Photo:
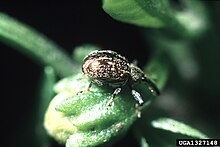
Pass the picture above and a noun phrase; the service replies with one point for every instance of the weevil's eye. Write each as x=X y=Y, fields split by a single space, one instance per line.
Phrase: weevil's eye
x=125 y=75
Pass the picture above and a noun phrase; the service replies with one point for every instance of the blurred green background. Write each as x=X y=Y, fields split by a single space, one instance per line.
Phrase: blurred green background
x=195 y=101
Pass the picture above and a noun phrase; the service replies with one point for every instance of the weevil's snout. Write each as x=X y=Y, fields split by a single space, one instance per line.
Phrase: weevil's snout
x=151 y=86
x=154 y=90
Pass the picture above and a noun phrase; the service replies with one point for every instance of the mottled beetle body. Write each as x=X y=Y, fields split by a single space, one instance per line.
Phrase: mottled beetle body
x=107 y=67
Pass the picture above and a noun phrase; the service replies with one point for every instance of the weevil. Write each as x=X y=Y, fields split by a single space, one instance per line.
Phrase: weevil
x=107 y=67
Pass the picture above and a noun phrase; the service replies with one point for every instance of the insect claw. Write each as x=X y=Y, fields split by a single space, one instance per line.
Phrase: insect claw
x=116 y=92
x=138 y=110
x=79 y=92
x=110 y=102
x=87 y=90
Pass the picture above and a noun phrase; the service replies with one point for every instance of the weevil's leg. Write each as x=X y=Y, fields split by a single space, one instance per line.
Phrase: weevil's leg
x=137 y=97
x=87 y=90
x=98 y=82
x=116 y=92
x=138 y=110
x=151 y=86
x=140 y=102
x=89 y=87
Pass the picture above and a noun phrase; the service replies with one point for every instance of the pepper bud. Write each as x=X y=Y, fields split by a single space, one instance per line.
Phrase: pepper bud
x=85 y=119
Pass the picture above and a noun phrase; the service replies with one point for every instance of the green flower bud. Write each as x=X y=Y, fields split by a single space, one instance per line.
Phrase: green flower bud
x=85 y=119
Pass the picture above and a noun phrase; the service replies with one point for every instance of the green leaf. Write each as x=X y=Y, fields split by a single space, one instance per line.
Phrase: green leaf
x=177 y=127
x=130 y=11
x=190 y=20
x=180 y=52
x=163 y=132
x=157 y=70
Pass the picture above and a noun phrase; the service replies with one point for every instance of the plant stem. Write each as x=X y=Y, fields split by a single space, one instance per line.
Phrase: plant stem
x=35 y=45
